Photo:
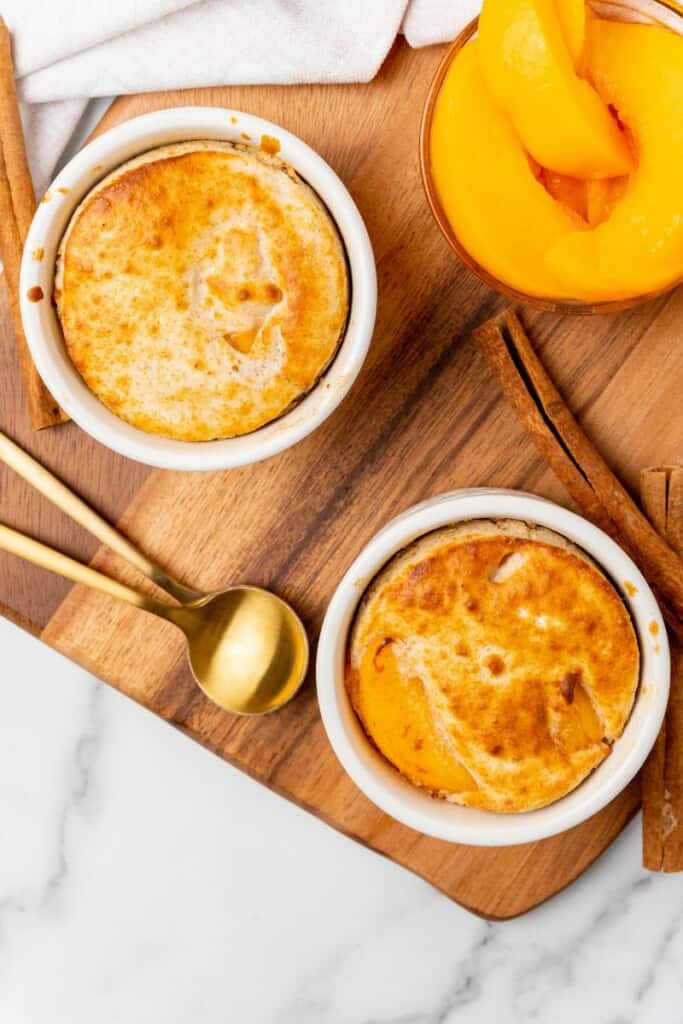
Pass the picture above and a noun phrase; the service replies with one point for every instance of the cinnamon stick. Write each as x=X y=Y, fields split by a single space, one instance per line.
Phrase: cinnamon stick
x=17 y=205
x=581 y=468
x=662 y=776
x=12 y=135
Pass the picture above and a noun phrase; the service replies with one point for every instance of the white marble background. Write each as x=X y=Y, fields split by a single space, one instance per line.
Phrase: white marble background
x=144 y=880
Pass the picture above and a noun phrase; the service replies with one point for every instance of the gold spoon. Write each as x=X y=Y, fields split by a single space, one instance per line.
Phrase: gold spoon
x=247 y=648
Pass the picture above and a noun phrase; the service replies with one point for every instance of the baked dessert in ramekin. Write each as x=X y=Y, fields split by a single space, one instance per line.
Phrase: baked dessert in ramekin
x=575 y=601
x=493 y=664
x=292 y=315
x=202 y=290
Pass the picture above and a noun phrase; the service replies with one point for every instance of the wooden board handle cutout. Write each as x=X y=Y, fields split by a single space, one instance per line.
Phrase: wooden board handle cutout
x=662 y=776
x=17 y=205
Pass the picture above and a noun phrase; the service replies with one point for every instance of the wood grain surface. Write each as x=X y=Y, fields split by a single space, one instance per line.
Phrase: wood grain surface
x=425 y=416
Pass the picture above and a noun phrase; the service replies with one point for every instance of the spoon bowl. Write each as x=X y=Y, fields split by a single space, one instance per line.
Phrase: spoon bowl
x=247 y=648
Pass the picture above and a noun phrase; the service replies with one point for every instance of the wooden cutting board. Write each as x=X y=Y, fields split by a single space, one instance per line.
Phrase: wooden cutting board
x=424 y=417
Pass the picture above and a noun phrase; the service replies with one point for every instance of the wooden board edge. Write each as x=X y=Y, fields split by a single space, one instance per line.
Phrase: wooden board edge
x=113 y=112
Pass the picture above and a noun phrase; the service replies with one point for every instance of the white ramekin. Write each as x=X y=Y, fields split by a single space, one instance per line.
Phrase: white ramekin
x=408 y=804
x=42 y=328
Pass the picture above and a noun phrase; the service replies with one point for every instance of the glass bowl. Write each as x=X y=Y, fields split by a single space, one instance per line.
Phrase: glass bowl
x=667 y=13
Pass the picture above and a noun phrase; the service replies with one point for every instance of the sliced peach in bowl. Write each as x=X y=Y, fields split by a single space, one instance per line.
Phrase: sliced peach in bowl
x=527 y=178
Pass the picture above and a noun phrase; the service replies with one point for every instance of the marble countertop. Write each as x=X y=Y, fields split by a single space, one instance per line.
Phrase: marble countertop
x=144 y=880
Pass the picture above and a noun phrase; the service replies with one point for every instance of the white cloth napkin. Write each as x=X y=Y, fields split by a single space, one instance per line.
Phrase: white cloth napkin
x=67 y=51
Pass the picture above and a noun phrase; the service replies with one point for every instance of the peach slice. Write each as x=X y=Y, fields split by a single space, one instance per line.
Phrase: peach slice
x=501 y=213
x=575 y=720
x=639 y=247
x=570 y=191
x=403 y=726
x=572 y=15
x=529 y=70
x=602 y=195
x=593 y=200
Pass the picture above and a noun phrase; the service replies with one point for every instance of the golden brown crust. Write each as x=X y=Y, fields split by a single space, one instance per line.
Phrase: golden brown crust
x=202 y=290
x=493 y=664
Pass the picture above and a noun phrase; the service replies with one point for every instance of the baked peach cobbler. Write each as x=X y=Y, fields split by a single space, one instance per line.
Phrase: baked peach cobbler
x=493 y=664
x=202 y=290
x=556 y=151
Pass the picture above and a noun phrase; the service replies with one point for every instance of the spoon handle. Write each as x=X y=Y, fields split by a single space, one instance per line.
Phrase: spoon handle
x=34 y=551
x=59 y=494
